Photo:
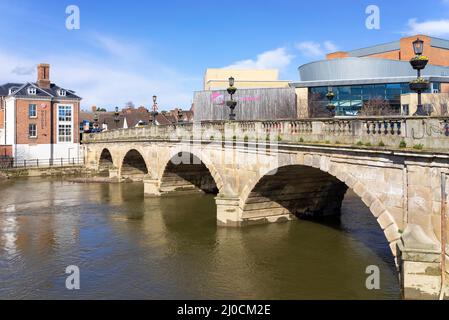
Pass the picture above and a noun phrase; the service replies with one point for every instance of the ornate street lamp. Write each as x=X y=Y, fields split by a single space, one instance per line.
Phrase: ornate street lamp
x=331 y=107
x=231 y=103
x=154 y=112
x=418 y=47
x=180 y=116
x=116 y=117
x=419 y=85
x=96 y=125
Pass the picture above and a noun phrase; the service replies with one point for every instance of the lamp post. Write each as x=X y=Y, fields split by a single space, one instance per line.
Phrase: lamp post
x=180 y=116
x=331 y=107
x=116 y=117
x=419 y=85
x=154 y=112
x=231 y=103
x=96 y=118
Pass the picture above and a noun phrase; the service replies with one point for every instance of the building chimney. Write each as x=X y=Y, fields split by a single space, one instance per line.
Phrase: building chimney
x=43 y=76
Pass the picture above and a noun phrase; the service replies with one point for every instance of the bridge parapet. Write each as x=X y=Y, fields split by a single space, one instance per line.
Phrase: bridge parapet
x=386 y=132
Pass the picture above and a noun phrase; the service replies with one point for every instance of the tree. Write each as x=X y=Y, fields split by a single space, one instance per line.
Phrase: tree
x=130 y=105
x=376 y=107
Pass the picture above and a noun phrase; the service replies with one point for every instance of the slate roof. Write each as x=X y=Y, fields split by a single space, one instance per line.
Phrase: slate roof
x=22 y=91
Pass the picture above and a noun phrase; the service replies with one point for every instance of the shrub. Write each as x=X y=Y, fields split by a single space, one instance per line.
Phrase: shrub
x=402 y=144
x=301 y=140
x=279 y=138
x=381 y=144
x=327 y=142
x=368 y=144
x=360 y=143
x=418 y=146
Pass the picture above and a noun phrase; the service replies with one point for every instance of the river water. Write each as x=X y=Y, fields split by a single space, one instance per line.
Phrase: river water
x=130 y=247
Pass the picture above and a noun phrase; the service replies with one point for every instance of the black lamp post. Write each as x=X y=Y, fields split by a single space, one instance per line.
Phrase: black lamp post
x=331 y=107
x=419 y=85
x=180 y=116
x=96 y=118
x=231 y=103
x=154 y=112
x=116 y=117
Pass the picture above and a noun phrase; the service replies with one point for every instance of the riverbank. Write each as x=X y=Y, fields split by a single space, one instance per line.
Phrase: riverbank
x=56 y=171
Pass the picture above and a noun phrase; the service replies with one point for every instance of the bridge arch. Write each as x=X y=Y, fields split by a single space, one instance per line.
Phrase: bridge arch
x=306 y=190
x=187 y=171
x=134 y=166
x=105 y=161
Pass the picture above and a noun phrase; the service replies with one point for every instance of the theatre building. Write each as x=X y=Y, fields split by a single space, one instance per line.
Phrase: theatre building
x=39 y=120
x=377 y=72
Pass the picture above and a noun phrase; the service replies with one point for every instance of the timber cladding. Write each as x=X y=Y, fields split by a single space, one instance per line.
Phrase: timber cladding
x=252 y=104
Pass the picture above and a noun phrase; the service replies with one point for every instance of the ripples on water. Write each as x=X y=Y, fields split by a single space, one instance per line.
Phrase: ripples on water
x=128 y=247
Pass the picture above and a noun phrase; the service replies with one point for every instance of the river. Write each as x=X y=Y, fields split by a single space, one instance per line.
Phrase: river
x=130 y=247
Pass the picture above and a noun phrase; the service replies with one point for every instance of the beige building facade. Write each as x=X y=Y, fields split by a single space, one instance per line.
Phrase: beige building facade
x=218 y=79
x=435 y=104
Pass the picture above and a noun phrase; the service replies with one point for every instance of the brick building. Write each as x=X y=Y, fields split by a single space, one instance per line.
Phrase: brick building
x=130 y=117
x=39 y=120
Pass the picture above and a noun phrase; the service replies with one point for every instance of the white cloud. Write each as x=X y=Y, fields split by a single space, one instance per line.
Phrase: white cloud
x=23 y=71
x=330 y=46
x=106 y=81
x=312 y=49
x=274 y=59
x=435 y=28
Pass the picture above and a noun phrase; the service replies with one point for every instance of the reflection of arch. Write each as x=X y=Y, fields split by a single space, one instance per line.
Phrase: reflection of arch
x=304 y=190
x=134 y=166
x=105 y=162
x=185 y=171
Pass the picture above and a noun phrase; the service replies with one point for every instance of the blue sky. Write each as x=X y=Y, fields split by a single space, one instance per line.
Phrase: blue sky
x=130 y=50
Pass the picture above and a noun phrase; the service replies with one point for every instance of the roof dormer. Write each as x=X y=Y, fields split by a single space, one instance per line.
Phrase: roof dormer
x=62 y=93
x=32 y=90
x=13 y=90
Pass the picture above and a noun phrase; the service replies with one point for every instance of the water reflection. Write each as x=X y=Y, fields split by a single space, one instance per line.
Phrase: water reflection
x=166 y=248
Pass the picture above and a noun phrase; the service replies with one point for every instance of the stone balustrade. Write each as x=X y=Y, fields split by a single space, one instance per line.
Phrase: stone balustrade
x=430 y=133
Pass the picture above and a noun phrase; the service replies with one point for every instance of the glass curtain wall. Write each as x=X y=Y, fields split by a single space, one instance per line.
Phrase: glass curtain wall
x=350 y=99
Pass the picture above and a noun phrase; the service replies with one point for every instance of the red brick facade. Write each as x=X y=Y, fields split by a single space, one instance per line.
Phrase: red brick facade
x=45 y=98
x=437 y=56
x=45 y=122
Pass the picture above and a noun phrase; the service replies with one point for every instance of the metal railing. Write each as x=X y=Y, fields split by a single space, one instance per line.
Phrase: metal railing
x=11 y=163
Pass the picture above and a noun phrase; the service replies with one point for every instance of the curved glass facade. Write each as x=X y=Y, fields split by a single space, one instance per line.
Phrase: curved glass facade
x=350 y=99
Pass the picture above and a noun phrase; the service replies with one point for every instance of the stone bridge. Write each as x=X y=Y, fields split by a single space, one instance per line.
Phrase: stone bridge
x=275 y=171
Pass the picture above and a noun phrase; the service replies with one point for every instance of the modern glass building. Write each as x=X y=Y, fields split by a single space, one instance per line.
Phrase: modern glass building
x=348 y=100
x=381 y=72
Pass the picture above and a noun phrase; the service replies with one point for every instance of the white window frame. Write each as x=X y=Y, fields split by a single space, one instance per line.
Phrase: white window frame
x=35 y=109
x=71 y=123
x=62 y=93
x=30 y=136
x=32 y=90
